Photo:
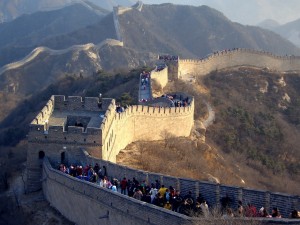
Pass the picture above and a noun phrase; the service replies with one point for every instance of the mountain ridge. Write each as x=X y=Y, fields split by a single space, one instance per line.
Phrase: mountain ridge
x=12 y=9
x=208 y=29
x=27 y=32
x=40 y=50
x=290 y=30
x=146 y=31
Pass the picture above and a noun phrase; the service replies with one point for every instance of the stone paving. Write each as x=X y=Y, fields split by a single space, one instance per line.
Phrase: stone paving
x=59 y=118
x=144 y=90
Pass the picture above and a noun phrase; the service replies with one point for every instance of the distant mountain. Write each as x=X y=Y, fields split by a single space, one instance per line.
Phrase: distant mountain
x=269 y=24
x=187 y=31
x=249 y=12
x=12 y=9
x=94 y=33
x=290 y=31
x=194 y=32
x=45 y=66
x=23 y=34
x=109 y=4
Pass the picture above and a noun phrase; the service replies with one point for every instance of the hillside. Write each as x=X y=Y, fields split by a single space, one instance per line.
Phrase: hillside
x=257 y=116
x=12 y=9
x=151 y=30
x=253 y=141
x=290 y=31
x=109 y=4
x=245 y=97
x=45 y=66
x=23 y=34
x=94 y=33
x=268 y=24
x=190 y=32
x=278 y=10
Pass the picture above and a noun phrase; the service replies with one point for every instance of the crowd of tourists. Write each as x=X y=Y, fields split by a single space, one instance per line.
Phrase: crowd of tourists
x=177 y=100
x=120 y=109
x=160 y=67
x=168 y=57
x=167 y=197
x=145 y=77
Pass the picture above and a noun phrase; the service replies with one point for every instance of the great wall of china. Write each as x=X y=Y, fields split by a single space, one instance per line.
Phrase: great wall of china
x=53 y=139
x=50 y=144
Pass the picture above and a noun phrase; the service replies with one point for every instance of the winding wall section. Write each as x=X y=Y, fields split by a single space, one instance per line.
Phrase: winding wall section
x=237 y=57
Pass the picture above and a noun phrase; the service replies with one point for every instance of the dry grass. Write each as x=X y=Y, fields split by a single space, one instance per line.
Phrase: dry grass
x=191 y=158
x=183 y=157
x=180 y=157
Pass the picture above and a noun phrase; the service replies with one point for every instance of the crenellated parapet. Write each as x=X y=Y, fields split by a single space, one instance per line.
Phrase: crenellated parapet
x=56 y=123
x=237 y=57
x=78 y=103
x=45 y=113
x=143 y=123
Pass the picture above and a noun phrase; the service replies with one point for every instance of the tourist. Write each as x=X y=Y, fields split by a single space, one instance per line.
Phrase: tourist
x=250 y=211
x=228 y=214
x=276 y=213
x=204 y=209
x=168 y=205
x=96 y=168
x=295 y=214
x=263 y=213
x=240 y=209
x=138 y=194
x=177 y=202
x=162 y=190
x=123 y=185
x=153 y=192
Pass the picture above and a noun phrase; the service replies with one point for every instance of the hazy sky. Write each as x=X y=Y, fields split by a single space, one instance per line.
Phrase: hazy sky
x=249 y=12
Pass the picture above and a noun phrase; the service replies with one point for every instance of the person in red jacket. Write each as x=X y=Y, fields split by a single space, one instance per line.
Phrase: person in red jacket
x=123 y=185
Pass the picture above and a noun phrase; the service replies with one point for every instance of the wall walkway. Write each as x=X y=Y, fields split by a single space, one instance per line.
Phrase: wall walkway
x=210 y=191
x=85 y=203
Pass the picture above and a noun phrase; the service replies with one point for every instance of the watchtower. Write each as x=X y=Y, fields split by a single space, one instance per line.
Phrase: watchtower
x=63 y=128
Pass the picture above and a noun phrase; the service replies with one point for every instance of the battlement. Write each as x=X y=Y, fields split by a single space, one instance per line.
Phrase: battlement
x=68 y=125
x=237 y=57
x=239 y=50
x=70 y=119
x=140 y=122
x=45 y=113
x=78 y=103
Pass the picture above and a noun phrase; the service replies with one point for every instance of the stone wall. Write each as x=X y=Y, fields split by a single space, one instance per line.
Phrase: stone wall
x=143 y=123
x=212 y=192
x=58 y=143
x=86 y=203
x=45 y=113
x=237 y=57
x=117 y=130
x=116 y=12
x=161 y=77
x=72 y=103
